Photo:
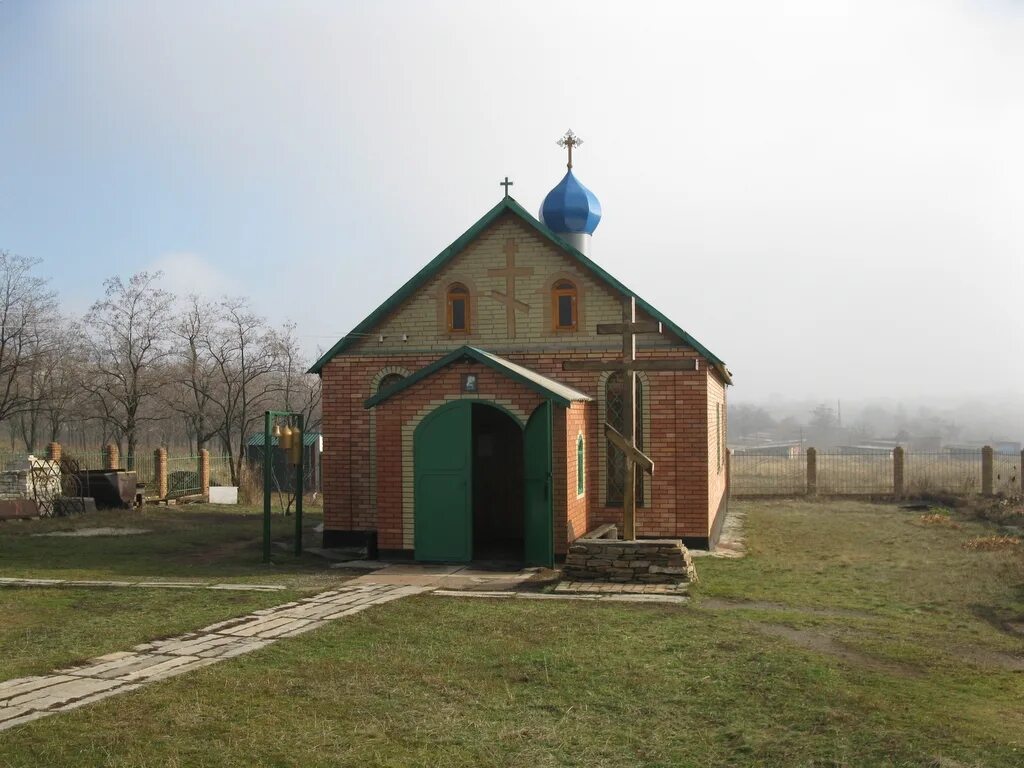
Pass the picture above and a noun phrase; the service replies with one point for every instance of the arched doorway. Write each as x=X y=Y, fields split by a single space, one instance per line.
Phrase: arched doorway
x=482 y=485
x=497 y=485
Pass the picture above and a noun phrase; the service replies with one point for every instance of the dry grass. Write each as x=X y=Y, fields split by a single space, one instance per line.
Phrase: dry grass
x=854 y=636
x=993 y=543
x=943 y=521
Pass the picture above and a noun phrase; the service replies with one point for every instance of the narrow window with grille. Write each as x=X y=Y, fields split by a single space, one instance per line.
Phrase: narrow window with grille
x=615 y=482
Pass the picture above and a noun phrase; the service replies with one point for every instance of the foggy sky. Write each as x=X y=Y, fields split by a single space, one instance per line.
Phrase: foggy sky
x=827 y=195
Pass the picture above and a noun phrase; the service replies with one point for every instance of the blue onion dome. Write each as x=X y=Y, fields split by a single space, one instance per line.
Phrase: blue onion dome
x=571 y=208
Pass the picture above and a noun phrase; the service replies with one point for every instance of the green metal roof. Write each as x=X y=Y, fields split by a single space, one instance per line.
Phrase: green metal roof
x=510 y=205
x=550 y=388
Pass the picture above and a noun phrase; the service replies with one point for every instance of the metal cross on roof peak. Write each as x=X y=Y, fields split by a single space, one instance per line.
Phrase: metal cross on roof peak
x=569 y=141
x=506 y=184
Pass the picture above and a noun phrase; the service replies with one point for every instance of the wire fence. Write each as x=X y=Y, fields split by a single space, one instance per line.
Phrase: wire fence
x=871 y=473
x=957 y=473
x=1007 y=472
x=844 y=473
x=220 y=470
x=753 y=474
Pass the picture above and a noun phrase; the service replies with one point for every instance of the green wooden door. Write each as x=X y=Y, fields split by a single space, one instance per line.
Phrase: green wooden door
x=537 y=494
x=443 y=467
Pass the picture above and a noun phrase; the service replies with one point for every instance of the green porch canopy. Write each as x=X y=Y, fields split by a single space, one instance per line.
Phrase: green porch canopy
x=551 y=389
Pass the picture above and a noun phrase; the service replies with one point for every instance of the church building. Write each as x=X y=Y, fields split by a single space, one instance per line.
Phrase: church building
x=464 y=418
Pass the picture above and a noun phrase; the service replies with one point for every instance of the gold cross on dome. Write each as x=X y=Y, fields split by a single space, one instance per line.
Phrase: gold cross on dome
x=569 y=141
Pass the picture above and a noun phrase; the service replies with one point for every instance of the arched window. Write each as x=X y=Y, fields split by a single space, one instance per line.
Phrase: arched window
x=458 y=308
x=564 y=301
x=580 y=467
x=388 y=380
x=616 y=461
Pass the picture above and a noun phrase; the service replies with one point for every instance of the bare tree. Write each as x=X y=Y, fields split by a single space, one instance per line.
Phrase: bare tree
x=51 y=380
x=26 y=306
x=195 y=372
x=300 y=392
x=127 y=342
x=244 y=351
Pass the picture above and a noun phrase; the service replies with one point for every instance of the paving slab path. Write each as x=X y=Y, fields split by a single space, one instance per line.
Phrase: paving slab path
x=143 y=584
x=30 y=698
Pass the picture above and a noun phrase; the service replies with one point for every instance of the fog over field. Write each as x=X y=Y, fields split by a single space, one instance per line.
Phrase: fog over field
x=953 y=421
x=827 y=194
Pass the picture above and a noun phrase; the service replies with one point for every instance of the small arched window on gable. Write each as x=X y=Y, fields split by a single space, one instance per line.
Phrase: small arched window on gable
x=565 y=306
x=458 y=308
x=389 y=380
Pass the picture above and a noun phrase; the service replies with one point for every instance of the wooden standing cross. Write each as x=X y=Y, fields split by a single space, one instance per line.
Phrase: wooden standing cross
x=628 y=366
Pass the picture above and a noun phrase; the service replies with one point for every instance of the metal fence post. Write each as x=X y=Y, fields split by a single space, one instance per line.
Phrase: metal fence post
x=1020 y=473
x=299 y=484
x=812 y=472
x=267 y=458
x=987 y=464
x=898 y=457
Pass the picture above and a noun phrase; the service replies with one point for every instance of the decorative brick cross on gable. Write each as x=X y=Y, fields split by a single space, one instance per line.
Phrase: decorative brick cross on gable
x=510 y=272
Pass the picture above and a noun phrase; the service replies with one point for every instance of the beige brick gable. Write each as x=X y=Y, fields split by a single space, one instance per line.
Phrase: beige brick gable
x=419 y=324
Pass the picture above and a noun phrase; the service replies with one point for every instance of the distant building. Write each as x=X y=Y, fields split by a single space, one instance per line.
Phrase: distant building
x=861 y=450
x=791 y=450
x=1002 y=447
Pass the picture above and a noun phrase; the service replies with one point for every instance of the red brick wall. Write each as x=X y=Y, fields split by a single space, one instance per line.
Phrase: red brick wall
x=389 y=481
x=410 y=406
x=575 y=523
x=679 y=496
x=559 y=478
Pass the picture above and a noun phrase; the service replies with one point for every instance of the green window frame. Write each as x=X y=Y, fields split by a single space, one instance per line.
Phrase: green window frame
x=580 y=466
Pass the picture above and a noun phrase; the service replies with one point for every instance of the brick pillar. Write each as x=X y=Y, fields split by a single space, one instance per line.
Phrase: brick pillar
x=54 y=452
x=812 y=472
x=111 y=456
x=987 y=465
x=160 y=472
x=898 y=458
x=204 y=473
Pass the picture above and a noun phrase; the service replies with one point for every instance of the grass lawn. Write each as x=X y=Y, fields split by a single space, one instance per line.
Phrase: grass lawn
x=194 y=541
x=41 y=629
x=852 y=635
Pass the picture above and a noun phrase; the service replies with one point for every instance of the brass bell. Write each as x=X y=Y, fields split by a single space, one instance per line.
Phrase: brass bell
x=286 y=438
